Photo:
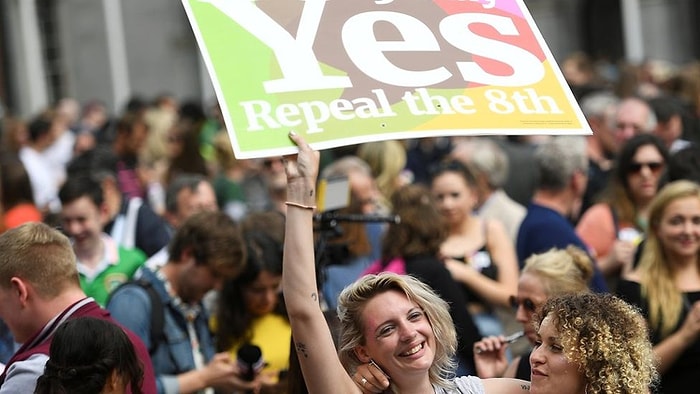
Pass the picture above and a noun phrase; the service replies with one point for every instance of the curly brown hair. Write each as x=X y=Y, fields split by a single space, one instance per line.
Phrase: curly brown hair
x=214 y=240
x=607 y=338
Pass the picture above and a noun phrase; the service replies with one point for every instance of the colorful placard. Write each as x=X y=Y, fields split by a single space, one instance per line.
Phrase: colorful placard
x=343 y=72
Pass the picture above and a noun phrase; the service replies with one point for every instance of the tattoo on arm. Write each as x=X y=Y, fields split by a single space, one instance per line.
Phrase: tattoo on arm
x=311 y=193
x=525 y=387
x=301 y=349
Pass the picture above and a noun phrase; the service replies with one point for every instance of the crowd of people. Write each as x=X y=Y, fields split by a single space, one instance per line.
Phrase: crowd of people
x=139 y=255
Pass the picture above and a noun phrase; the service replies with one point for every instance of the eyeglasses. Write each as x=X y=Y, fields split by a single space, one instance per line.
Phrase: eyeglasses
x=653 y=166
x=527 y=303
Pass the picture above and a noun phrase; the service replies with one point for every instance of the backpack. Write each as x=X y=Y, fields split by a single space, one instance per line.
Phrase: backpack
x=157 y=334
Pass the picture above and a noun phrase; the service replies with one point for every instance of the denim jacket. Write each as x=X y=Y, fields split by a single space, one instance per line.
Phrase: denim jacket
x=130 y=305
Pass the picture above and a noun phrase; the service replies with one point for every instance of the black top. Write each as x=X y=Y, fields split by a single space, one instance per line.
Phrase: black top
x=432 y=271
x=524 y=370
x=486 y=267
x=683 y=373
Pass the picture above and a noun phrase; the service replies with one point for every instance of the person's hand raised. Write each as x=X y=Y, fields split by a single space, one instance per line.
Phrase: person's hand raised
x=304 y=164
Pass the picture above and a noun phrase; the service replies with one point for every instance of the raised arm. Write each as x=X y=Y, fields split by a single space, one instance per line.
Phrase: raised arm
x=314 y=345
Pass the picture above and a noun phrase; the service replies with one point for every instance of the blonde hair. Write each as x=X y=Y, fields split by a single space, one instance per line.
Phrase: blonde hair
x=562 y=271
x=656 y=272
x=607 y=338
x=351 y=304
x=386 y=159
x=223 y=152
x=40 y=255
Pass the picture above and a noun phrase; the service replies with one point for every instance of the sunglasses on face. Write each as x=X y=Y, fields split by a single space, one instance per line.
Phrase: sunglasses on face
x=653 y=166
x=527 y=303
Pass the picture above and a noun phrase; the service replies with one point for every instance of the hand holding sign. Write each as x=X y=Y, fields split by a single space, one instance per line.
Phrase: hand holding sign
x=349 y=72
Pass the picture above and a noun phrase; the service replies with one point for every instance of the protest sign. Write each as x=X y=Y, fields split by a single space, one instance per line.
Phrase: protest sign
x=343 y=72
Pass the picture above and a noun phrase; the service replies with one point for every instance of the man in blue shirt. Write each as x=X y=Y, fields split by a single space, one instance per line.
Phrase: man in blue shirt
x=563 y=174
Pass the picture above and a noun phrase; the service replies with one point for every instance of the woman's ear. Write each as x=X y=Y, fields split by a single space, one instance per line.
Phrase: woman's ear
x=361 y=354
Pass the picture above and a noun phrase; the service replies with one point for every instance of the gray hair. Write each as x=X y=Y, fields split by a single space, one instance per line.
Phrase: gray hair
x=344 y=166
x=600 y=104
x=558 y=159
x=484 y=156
x=651 y=121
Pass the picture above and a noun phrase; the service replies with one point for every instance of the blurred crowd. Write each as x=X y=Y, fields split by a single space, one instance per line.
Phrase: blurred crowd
x=152 y=194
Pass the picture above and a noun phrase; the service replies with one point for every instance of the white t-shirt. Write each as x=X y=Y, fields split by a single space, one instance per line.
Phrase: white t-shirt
x=465 y=385
x=44 y=185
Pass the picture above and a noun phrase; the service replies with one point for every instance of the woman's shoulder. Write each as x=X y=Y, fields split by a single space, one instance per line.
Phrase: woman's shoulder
x=601 y=208
x=601 y=213
x=494 y=229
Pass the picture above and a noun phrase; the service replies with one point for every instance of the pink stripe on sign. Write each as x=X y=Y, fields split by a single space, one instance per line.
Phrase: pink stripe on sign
x=510 y=6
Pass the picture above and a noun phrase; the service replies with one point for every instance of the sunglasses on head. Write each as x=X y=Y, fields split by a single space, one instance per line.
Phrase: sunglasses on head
x=653 y=166
x=527 y=303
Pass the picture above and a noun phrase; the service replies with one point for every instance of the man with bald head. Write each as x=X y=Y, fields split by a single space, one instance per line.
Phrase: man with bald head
x=633 y=116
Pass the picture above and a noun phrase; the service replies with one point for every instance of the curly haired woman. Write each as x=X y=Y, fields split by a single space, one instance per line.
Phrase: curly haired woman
x=593 y=344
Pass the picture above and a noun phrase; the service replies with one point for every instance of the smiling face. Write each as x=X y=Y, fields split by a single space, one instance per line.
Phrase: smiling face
x=679 y=228
x=82 y=221
x=552 y=372
x=455 y=199
x=398 y=336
